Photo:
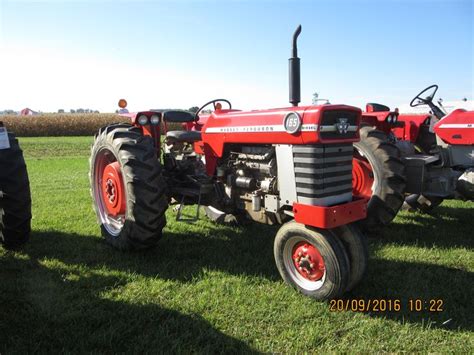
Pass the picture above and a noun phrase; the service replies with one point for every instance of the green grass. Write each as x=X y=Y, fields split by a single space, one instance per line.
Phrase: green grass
x=208 y=288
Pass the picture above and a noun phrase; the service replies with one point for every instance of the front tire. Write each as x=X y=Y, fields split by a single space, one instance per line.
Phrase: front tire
x=311 y=260
x=127 y=187
x=355 y=244
x=378 y=175
x=15 y=196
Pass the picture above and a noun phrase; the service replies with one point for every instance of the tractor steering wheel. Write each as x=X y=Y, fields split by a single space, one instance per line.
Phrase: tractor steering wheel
x=418 y=100
x=213 y=102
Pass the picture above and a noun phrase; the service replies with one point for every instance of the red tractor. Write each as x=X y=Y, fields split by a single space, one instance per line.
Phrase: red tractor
x=288 y=166
x=437 y=150
x=15 y=198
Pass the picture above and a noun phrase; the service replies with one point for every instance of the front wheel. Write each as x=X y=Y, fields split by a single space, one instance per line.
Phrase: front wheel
x=127 y=188
x=311 y=260
x=355 y=244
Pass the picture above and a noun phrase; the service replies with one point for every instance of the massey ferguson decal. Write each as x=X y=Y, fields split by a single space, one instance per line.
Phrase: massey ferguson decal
x=342 y=125
x=259 y=129
x=457 y=125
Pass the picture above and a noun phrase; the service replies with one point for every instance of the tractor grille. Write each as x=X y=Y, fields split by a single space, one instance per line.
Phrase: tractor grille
x=323 y=173
x=330 y=120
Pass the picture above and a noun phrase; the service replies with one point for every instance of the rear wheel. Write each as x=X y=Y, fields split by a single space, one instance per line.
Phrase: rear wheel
x=378 y=175
x=311 y=260
x=127 y=187
x=15 y=197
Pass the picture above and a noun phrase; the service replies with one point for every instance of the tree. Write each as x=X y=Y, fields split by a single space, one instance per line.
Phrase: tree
x=72 y=111
x=61 y=110
x=193 y=109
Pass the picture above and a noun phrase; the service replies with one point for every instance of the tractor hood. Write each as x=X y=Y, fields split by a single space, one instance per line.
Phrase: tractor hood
x=290 y=125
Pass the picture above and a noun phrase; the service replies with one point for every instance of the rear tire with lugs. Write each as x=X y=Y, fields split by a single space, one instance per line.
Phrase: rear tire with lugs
x=127 y=187
x=15 y=197
x=386 y=193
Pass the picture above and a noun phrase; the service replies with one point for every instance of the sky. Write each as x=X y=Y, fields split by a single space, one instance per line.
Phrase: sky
x=177 y=54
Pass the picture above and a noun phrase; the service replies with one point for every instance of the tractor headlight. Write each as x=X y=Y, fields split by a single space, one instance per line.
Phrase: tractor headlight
x=394 y=119
x=155 y=119
x=389 y=119
x=142 y=120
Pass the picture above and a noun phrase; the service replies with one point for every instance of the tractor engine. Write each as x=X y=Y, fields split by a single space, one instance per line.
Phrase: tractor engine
x=249 y=177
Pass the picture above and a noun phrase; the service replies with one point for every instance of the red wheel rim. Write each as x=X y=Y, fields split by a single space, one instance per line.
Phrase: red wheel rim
x=308 y=261
x=112 y=189
x=362 y=178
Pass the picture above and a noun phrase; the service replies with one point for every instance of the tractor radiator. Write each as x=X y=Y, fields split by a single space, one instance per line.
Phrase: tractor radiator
x=323 y=173
x=330 y=120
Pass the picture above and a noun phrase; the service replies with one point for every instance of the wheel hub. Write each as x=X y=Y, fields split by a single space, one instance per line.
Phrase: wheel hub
x=362 y=178
x=308 y=261
x=112 y=189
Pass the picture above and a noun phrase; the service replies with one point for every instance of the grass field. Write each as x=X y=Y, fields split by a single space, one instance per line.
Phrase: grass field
x=209 y=288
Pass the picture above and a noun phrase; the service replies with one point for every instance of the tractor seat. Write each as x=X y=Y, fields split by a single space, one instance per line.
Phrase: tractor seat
x=184 y=136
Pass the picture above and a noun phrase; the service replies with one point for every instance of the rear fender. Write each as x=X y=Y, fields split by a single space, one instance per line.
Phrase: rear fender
x=456 y=128
x=153 y=131
x=379 y=120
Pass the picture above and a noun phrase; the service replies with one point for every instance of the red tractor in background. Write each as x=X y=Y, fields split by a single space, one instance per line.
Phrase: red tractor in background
x=288 y=166
x=437 y=150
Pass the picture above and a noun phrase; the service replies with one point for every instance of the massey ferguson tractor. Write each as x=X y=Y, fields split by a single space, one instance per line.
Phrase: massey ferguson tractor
x=288 y=166
x=437 y=150
x=15 y=198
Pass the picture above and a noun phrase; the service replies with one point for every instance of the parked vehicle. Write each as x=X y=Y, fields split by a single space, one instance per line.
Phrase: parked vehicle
x=15 y=197
x=437 y=150
x=289 y=166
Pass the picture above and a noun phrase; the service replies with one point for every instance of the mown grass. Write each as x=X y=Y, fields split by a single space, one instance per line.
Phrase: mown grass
x=209 y=288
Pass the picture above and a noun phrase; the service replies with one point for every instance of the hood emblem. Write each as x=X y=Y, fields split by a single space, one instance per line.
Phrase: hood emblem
x=342 y=125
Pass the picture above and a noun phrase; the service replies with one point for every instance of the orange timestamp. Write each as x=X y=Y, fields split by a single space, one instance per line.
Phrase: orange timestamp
x=386 y=305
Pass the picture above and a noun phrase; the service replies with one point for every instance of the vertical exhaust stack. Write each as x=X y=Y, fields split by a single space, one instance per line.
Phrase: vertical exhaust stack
x=294 y=72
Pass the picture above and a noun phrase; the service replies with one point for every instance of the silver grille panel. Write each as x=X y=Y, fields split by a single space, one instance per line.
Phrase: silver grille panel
x=323 y=173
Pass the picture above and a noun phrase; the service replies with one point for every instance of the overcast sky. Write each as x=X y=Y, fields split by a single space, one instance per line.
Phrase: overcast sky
x=72 y=54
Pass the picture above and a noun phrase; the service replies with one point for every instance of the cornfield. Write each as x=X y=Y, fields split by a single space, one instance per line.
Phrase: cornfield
x=62 y=124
